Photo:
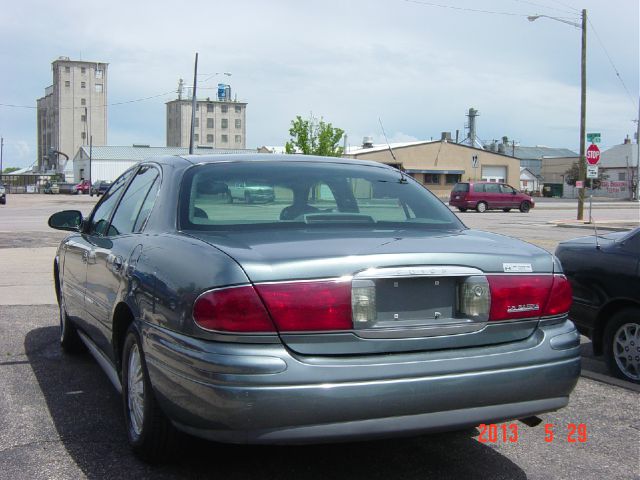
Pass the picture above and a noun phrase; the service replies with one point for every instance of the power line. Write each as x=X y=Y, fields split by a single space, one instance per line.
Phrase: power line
x=566 y=5
x=93 y=106
x=611 y=62
x=464 y=9
x=545 y=6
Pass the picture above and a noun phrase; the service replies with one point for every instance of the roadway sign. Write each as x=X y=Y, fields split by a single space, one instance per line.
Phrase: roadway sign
x=592 y=171
x=594 y=137
x=593 y=154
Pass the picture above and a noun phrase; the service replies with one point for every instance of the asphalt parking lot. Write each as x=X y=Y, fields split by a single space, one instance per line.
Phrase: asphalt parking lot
x=61 y=418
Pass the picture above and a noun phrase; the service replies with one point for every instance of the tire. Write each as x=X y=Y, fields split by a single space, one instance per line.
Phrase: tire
x=247 y=198
x=506 y=209
x=525 y=207
x=151 y=436
x=69 y=339
x=3 y=201
x=481 y=207
x=91 y=194
x=622 y=344
x=229 y=198
x=462 y=209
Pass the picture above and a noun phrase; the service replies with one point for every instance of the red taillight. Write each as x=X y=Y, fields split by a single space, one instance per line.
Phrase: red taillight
x=235 y=309
x=528 y=296
x=308 y=306
x=561 y=296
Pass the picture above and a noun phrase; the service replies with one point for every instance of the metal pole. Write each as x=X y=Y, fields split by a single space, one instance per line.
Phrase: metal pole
x=193 y=105
x=90 y=155
x=582 y=169
x=1 y=151
x=638 y=157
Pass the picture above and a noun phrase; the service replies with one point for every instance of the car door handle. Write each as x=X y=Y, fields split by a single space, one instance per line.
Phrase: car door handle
x=116 y=263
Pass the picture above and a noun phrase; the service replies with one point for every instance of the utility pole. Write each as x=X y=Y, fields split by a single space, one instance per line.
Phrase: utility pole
x=582 y=167
x=193 y=105
x=638 y=156
x=90 y=155
x=1 y=152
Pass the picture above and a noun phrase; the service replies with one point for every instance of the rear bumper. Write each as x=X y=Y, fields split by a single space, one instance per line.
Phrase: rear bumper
x=263 y=394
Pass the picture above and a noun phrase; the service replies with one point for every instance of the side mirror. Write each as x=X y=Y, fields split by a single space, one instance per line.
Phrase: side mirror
x=69 y=220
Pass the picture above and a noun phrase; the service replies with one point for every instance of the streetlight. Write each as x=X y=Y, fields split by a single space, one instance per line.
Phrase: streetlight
x=582 y=171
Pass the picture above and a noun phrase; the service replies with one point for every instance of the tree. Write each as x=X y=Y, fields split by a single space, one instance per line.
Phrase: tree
x=573 y=174
x=10 y=169
x=314 y=137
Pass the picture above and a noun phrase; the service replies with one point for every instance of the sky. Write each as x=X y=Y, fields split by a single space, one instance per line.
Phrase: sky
x=418 y=66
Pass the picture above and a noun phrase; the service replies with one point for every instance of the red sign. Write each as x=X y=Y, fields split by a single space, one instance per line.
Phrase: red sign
x=593 y=154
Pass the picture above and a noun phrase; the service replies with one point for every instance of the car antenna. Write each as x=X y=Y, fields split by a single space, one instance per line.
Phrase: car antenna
x=403 y=179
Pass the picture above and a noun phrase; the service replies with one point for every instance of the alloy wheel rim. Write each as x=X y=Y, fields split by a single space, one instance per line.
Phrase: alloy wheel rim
x=135 y=390
x=626 y=350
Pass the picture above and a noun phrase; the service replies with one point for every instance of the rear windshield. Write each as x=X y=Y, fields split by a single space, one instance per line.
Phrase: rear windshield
x=238 y=195
x=461 y=187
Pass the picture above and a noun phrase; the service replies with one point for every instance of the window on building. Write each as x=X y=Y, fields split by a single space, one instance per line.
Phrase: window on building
x=67 y=83
x=98 y=88
x=224 y=139
x=83 y=135
x=83 y=84
x=83 y=101
x=83 y=118
x=209 y=107
x=224 y=108
x=67 y=69
x=622 y=176
x=209 y=122
x=238 y=109
x=197 y=107
x=224 y=123
x=238 y=123
x=209 y=138
x=99 y=74
x=432 y=178
x=83 y=70
x=451 y=178
x=238 y=138
x=196 y=122
x=196 y=137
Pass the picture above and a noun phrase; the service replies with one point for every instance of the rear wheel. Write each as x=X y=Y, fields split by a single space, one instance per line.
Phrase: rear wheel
x=506 y=209
x=247 y=198
x=622 y=345
x=481 y=207
x=462 y=209
x=150 y=433
x=525 y=207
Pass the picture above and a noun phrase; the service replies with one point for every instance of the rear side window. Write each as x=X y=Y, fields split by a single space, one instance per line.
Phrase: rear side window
x=491 y=188
x=461 y=187
x=130 y=208
x=478 y=187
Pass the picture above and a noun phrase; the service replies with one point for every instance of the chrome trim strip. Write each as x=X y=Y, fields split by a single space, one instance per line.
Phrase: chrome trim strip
x=102 y=360
x=418 y=271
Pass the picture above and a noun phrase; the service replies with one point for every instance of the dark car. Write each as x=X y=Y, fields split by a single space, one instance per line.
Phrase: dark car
x=99 y=188
x=483 y=196
x=354 y=306
x=604 y=272
x=3 y=194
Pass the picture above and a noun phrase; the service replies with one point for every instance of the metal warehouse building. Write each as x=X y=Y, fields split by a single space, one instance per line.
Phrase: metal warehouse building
x=108 y=162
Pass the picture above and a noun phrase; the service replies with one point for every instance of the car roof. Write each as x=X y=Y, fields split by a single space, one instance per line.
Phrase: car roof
x=263 y=157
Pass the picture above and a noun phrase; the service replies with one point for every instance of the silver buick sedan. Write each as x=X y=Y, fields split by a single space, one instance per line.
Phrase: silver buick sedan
x=353 y=305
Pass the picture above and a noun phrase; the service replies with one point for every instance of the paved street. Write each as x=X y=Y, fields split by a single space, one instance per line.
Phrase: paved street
x=61 y=418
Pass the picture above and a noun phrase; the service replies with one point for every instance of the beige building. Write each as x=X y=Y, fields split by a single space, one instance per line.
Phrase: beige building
x=440 y=164
x=218 y=123
x=73 y=110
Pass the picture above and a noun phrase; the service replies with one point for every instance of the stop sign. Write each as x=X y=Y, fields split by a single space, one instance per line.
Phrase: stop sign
x=593 y=154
